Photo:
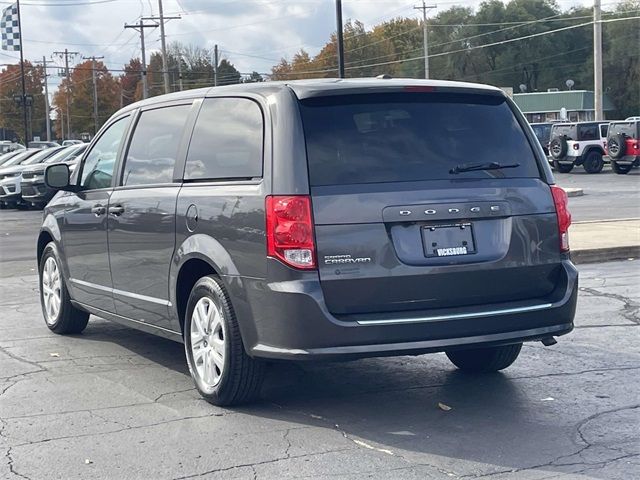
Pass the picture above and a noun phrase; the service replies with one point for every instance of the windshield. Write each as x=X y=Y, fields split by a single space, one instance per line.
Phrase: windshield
x=65 y=153
x=8 y=156
x=630 y=129
x=403 y=137
x=41 y=156
x=21 y=157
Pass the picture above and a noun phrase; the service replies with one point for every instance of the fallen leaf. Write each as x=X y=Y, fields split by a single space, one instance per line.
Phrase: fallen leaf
x=54 y=354
x=444 y=407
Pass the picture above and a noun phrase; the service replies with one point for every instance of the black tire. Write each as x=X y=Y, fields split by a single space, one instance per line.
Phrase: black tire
x=558 y=147
x=620 y=169
x=562 y=168
x=69 y=319
x=617 y=146
x=241 y=376
x=593 y=162
x=490 y=359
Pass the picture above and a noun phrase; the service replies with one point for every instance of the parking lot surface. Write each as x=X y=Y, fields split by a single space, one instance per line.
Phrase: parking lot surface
x=117 y=403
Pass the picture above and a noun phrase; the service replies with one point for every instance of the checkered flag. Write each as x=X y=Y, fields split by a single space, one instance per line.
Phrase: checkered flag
x=10 y=28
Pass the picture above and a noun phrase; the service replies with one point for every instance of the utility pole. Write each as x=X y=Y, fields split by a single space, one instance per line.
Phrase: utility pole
x=339 y=39
x=95 y=89
x=46 y=98
x=425 y=43
x=161 y=19
x=165 y=63
x=66 y=55
x=597 y=61
x=140 y=27
x=215 y=65
x=24 y=88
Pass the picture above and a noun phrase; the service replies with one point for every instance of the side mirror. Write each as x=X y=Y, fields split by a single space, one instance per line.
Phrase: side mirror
x=58 y=177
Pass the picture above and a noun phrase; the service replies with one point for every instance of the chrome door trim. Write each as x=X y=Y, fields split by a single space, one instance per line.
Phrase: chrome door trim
x=122 y=293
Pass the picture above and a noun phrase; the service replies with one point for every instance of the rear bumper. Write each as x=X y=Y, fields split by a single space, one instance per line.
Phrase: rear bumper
x=291 y=321
x=626 y=160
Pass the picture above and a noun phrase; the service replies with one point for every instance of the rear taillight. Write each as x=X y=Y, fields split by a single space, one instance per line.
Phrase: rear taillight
x=290 y=230
x=561 y=202
x=576 y=146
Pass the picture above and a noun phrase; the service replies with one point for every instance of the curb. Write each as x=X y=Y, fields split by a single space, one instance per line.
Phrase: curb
x=574 y=192
x=598 y=255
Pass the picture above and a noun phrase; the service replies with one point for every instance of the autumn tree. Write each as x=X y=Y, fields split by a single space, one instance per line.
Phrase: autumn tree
x=131 y=82
x=11 y=113
x=79 y=90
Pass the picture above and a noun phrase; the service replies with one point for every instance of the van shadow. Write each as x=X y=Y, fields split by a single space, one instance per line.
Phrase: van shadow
x=393 y=403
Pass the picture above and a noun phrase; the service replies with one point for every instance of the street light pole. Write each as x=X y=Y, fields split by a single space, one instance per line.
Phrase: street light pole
x=339 y=39
x=597 y=61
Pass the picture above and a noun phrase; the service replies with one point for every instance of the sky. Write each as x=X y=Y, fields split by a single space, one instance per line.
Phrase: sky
x=252 y=34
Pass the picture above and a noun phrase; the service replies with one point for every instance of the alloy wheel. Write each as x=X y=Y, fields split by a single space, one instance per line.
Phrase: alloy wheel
x=208 y=341
x=51 y=286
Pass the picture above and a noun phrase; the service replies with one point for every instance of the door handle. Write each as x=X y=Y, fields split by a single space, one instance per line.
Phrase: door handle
x=98 y=210
x=116 y=210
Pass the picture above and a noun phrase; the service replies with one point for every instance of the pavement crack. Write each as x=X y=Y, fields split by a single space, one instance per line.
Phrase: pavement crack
x=265 y=462
x=12 y=468
x=157 y=399
x=630 y=308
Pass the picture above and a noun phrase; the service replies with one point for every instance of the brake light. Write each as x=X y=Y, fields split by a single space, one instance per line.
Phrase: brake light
x=290 y=230
x=561 y=202
x=576 y=146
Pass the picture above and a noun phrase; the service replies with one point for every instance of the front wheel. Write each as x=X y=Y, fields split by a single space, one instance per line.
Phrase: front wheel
x=490 y=359
x=620 y=169
x=59 y=314
x=562 y=168
x=223 y=373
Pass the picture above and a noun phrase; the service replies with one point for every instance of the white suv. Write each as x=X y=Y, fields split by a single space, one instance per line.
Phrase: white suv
x=580 y=143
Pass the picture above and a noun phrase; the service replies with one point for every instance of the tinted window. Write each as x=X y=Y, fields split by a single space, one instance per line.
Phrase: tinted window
x=570 y=131
x=603 y=130
x=411 y=136
x=154 y=148
x=630 y=129
x=588 y=132
x=543 y=132
x=98 y=166
x=227 y=140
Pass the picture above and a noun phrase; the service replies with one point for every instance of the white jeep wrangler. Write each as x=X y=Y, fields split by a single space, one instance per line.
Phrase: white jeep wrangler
x=581 y=143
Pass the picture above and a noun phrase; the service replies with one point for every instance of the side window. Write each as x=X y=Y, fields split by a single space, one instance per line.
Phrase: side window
x=227 y=140
x=603 y=130
x=588 y=132
x=98 y=166
x=154 y=147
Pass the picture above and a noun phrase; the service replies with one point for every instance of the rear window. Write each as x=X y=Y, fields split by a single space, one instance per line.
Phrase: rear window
x=630 y=129
x=403 y=137
x=569 y=131
x=543 y=132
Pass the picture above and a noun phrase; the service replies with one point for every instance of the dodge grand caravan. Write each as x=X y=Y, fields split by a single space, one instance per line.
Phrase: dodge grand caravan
x=323 y=219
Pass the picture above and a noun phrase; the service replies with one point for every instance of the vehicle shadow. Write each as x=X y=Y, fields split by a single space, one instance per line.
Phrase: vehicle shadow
x=393 y=404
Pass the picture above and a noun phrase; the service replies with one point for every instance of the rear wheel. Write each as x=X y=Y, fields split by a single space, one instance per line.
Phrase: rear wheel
x=620 y=169
x=490 y=359
x=59 y=314
x=223 y=373
x=562 y=168
x=593 y=163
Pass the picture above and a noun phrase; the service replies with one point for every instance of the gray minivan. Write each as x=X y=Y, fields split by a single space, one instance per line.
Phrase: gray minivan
x=309 y=220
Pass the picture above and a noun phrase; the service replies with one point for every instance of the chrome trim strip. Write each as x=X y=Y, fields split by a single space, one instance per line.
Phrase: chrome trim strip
x=458 y=316
x=122 y=293
x=126 y=319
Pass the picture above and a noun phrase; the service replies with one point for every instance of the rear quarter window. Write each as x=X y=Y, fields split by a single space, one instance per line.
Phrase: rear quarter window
x=401 y=137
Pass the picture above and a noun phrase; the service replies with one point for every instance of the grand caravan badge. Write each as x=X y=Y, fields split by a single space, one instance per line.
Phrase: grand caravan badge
x=345 y=260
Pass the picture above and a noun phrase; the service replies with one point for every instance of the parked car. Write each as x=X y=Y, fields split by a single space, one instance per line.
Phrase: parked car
x=32 y=186
x=632 y=119
x=581 y=143
x=67 y=143
x=43 y=144
x=543 y=134
x=623 y=145
x=320 y=219
x=8 y=146
x=11 y=176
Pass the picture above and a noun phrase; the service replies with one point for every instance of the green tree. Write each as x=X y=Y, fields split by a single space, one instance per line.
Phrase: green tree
x=11 y=113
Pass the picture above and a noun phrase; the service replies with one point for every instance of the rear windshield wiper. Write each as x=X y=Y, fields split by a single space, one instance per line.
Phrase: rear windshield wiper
x=471 y=167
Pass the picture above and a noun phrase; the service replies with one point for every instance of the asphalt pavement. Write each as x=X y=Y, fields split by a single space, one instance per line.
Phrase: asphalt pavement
x=115 y=403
